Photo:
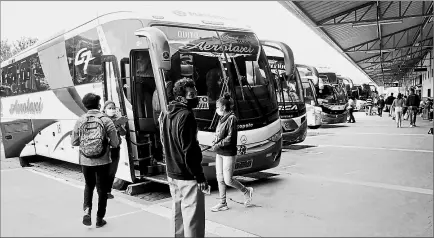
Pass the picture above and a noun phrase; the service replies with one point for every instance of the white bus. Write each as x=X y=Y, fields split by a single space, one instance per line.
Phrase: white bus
x=290 y=93
x=134 y=60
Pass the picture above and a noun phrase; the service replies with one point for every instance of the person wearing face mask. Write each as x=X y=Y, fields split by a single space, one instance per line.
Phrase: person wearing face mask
x=110 y=110
x=225 y=146
x=183 y=155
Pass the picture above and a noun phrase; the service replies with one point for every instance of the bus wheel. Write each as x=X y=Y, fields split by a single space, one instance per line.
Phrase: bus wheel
x=24 y=162
x=120 y=184
x=314 y=127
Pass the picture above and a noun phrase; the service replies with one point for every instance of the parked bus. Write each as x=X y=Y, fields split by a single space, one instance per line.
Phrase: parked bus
x=290 y=96
x=134 y=60
x=331 y=99
x=309 y=78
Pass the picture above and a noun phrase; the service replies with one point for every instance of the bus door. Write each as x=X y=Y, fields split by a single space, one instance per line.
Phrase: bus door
x=141 y=89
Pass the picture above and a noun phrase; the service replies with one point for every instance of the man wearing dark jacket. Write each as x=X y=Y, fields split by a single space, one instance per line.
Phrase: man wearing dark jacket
x=183 y=155
x=389 y=101
x=413 y=102
x=380 y=105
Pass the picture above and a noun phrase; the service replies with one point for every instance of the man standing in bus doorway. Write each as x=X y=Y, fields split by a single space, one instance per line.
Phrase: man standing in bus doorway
x=413 y=102
x=94 y=132
x=183 y=156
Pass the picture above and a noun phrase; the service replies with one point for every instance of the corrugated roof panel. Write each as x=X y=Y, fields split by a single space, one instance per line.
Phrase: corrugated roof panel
x=406 y=23
x=349 y=36
x=318 y=10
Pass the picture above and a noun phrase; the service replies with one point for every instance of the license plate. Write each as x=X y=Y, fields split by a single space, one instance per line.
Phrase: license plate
x=243 y=164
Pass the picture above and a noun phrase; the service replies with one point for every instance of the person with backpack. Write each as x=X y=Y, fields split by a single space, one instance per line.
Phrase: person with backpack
x=183 y=155
x=119 y=121
x=94 y=133
x=413 y=102
x=225 y=147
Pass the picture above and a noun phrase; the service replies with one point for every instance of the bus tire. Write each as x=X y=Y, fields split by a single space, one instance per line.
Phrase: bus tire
x=24 y=162
x=120 y=184
x=314 y=127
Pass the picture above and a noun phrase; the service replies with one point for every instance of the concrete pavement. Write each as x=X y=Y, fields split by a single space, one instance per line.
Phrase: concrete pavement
x=364 y=179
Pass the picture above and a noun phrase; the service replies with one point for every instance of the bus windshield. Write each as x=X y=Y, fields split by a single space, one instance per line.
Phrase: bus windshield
x=309 y=94
x=221 y=62
x=287 y=89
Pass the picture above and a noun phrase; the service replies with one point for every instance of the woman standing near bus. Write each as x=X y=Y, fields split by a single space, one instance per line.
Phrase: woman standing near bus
x=225 y=146
x=110 y=111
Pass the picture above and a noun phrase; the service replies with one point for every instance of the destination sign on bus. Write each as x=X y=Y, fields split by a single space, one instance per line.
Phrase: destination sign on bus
x=197 y=41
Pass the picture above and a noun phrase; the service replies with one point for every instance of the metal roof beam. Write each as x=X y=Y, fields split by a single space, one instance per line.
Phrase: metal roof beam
x=395 y=48
x=347 y=12
x=385 y=36
x=373 y=21
x=322 y=23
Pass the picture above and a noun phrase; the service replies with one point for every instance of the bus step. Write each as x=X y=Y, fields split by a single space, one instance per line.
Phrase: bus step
x=138 y=188
x=160 y=178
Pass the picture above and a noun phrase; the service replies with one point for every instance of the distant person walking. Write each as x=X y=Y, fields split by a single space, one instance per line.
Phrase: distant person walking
x=389 y=101
x=380 y=105
x=398 y=104
x=413 y=102
x=93 y=133
x=369 y=106
x=351 y=104
x=225 y=146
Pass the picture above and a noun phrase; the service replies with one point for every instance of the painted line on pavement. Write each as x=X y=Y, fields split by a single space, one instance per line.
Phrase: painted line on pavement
x=125 y=214
x=368 y=184
x=369 y=148
x=8 y=170
x=385 y=134
x=211 y=227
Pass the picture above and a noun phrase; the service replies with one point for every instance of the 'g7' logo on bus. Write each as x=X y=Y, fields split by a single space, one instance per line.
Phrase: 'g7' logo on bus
x=83 y=56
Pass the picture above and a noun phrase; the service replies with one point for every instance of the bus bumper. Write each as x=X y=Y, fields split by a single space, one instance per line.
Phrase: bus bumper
x=249 y=163
x=333 y=118
x=296 y=135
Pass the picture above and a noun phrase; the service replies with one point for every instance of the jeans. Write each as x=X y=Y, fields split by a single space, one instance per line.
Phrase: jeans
x=412 y=111
x=96 y=176
x=114 y=154
x=224 y=166
x=398 y=115
x=188 y=208
x=380 y=111
x=350 y=111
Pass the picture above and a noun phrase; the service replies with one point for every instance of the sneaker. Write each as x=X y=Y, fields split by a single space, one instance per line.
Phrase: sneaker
x=87 y=220
x=411 y=126
x=110 y=196
x=100 y=222
x=248 y=196
x=220 y=207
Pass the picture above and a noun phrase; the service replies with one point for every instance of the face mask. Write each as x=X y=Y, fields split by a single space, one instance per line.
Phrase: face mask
x=110 y=112
x=219 y=112
x=192 y=103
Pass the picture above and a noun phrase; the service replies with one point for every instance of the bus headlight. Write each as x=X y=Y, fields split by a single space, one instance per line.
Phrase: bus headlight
x=276 y=137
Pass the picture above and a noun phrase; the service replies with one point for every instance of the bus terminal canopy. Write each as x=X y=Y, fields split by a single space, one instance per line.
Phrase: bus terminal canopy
x=387 y=40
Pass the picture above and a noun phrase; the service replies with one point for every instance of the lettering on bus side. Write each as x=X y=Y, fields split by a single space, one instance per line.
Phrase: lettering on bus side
x=29 y=107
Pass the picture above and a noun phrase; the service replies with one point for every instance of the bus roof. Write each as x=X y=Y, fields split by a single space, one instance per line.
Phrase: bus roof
x=181 y=18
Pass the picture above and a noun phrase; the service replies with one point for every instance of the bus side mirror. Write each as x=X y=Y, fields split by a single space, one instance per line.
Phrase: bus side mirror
x=158 y=46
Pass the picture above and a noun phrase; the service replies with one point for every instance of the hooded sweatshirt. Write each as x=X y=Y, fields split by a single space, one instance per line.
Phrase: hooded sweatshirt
x=180 y=146
x=226 y=135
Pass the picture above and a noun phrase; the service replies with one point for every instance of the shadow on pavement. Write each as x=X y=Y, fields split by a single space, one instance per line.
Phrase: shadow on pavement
x=331 y=126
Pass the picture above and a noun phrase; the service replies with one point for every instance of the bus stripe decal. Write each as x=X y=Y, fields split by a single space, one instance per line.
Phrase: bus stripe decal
x=61 y=139
x=70 y=98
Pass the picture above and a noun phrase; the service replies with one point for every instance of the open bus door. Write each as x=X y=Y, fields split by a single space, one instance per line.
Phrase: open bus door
x=138 y=81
